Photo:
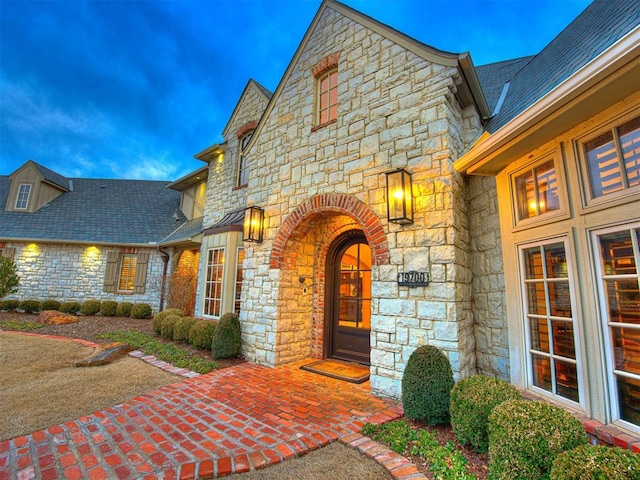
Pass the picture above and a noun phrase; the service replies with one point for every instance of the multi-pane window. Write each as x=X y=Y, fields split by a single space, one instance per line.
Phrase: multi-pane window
x=613 y=159
x=238 y=290
x=127 y=277
x=620 y=286
x=243 y=170
x=537 y=191
x=22 y=199
x=550 y=320
x=328 y=97
x=214 y=282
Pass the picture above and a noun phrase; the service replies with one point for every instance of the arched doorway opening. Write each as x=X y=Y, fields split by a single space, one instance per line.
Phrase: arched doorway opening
x=348 y=298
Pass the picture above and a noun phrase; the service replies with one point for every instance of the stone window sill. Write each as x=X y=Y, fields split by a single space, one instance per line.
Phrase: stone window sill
x=322 y=125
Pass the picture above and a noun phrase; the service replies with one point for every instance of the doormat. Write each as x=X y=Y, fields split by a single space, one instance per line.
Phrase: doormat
x=347 y=371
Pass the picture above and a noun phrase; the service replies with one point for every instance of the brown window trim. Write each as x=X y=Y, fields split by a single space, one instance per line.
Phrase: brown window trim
x=240 y=187
x=322 y=125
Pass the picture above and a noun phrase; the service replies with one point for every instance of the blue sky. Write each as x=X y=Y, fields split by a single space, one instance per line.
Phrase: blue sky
x=133 y=89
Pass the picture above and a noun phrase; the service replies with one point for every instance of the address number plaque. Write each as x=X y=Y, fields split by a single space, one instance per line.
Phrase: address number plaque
x=413 y=279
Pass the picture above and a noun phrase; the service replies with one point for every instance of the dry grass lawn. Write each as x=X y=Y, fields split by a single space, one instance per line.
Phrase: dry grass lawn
x=42 y=387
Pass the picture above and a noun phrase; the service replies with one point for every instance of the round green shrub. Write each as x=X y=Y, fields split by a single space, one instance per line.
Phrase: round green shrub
x=70 y=307
x=108 y=308
x=201 y=334
x=29 y=306
x=596 y=462
x=472 y=400
x=50 y=305
x=90 y=307
x=426 y=383
x=166 y=326
x=141 y=310
x=525 y=437
x=181 y=329
x=227 y=340
x=3 y=308
x=124 y=309
x=11 y=305
x=159 y=317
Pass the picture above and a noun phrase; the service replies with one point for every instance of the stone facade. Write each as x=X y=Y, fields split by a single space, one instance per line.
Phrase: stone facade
x=396 y=109
x=75 y=273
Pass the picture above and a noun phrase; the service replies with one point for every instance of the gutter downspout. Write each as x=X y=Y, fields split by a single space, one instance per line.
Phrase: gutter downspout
x=165 y=267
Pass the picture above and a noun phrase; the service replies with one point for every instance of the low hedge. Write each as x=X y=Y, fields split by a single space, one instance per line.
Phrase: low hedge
x=70 y=307
x=50 y=305
x=90 y=307
x=201 y=334
x=472 y=400
x=141 y=310
x=181 y=329
x=9 y=305
x=108 y=308
x=159 y=317
x=525 y=438
x=596 y=462
x=166 y=326
x=124 y=309
x=30 y=306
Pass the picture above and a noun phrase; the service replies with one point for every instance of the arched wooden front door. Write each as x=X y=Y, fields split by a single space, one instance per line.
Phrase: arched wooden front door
x=348 y=301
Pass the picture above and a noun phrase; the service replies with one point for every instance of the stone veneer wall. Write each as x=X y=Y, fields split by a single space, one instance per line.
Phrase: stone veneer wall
x=76 y=273
x=489 y=301
x=395 y=110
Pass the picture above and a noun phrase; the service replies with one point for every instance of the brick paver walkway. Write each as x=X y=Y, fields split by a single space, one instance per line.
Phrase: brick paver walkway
x=232 y=420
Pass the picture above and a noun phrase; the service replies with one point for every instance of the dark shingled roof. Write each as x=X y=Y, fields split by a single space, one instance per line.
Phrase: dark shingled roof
x=53 y=177
x=599 y=26
x=98 y=211
x=493 y=76
x=186 y=231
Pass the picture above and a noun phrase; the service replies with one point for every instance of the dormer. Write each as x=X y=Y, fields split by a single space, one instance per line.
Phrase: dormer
x=194 y=192
x=33 y=186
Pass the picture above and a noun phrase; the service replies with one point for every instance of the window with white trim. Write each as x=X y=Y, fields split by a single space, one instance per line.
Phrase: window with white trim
x=243 y=170
x=22 y=199
x=214 y=282
x=550 y=319
x=536 y=190
x=327 y=97
x=613 y=159
x=238 y=289
x=619 y=282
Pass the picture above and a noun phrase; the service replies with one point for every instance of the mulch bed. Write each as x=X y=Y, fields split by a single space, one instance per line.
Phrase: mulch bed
x=88 y=327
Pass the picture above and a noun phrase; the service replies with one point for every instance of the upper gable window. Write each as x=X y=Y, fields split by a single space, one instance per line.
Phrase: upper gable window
x=536 y=190
x=613 y=159
x=22 y=199
x=243 y=170
x=326 y=74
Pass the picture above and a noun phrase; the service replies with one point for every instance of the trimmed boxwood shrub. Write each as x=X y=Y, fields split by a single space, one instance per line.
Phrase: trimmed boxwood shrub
x=525 y=438
x=124 y=309
x=166 y=326
x=227 y=341
x=181 y=329
x=11 y=305
x=108 y=308
x=50 y=305
x=159 y=317
x=426 y=384
x=70 y=307
x=29 y=306
x=90 y=307
x=596 y=462
x=141 y=310
x=201 y=334
x=472 y=400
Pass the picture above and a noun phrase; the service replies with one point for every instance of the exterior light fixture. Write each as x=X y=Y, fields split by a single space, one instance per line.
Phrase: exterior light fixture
x=253 y=224
x=399 y=197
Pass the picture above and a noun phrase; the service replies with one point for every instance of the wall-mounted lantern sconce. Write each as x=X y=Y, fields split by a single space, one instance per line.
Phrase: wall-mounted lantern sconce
x=253 y=224
x=399 y=197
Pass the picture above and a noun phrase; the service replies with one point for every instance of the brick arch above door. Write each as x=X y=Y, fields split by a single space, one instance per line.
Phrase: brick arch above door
x=331 y=204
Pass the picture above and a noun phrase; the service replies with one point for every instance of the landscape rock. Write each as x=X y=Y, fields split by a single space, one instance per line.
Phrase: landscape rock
x=105 y=354
x=53 y=317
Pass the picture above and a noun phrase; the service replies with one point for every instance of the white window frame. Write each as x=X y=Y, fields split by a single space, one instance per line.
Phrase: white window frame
x=610 y=371
x=20 y=198
x=237 y=287
x=132 y=277
x=576 y=319
x=209 y=284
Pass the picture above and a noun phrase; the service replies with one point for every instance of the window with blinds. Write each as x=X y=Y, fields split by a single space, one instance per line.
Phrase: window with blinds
x=536 y=191
x=127 y=273
x=613 y=159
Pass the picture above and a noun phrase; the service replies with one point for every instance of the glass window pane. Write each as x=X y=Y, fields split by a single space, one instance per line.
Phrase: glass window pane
x=536 y=298
x=556 y=260
x=629 y=399
x=526 y=196
x=542 y=372
x=539 y=331
x=629 y=134
x=547 y=180
x=560 y=299
x=617 y=253
x=563 y=336
x=333 y=112
x=333 y=96
x=533 y=263
x=567 y=380
x=324 y=84
x=623 y=299
x=626 y=349
x=604 y=168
